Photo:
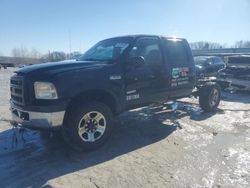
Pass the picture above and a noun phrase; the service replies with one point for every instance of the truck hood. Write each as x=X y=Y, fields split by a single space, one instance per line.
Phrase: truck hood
x=61 y=66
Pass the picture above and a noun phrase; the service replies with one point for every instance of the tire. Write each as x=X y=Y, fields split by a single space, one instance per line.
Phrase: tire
x=87 y=126
x=209 y=97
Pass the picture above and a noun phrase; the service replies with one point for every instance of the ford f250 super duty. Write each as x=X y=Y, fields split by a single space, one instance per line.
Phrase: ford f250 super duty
x=117 y=74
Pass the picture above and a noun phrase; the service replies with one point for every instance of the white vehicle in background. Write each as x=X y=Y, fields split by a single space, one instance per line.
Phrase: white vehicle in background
x=237 y=72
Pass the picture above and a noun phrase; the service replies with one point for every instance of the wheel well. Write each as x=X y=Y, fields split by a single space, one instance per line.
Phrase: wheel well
x=94 y=95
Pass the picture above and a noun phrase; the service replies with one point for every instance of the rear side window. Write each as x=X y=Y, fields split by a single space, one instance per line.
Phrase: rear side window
x=176 y=52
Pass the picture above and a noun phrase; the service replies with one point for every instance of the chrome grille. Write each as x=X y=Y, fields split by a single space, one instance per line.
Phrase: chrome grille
x=17 y=90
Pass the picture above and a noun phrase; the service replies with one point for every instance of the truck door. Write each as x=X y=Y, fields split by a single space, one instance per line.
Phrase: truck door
x=146 y=83
x=180 y=63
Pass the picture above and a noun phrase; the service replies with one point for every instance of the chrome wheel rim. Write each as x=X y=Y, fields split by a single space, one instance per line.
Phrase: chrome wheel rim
x=214 y=97
x=92 y=126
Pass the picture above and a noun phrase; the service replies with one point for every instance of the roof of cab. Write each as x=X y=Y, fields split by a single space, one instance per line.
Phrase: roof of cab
x=148 y=35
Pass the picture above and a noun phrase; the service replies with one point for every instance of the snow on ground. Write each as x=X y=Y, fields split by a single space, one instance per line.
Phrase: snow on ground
x=150 y=147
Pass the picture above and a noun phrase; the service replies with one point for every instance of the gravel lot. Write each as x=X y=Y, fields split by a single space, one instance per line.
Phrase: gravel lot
x=150 y=147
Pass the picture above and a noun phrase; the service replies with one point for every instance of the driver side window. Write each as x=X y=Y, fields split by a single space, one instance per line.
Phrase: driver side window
x=149 y=49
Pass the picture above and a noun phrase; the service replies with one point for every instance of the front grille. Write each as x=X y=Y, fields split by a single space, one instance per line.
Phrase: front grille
x=17 y=90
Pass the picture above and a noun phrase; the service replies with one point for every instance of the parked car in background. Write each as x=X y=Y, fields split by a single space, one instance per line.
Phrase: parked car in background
x=208 y=65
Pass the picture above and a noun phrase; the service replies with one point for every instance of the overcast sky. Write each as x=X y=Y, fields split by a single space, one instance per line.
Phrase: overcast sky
x=52 y=24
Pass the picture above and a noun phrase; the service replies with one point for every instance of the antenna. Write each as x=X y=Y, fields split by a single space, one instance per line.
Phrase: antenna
x=69 y=32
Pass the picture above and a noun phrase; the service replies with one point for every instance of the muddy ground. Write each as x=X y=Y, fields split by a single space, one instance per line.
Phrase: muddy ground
x=150 y=147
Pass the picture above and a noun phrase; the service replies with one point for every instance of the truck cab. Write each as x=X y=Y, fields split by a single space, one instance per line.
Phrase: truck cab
x=81 y=97
x=167 y=71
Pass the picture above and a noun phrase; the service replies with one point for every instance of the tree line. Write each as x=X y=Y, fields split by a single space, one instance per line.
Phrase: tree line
x=33 y=53
x=50 y=56
x=215 y=45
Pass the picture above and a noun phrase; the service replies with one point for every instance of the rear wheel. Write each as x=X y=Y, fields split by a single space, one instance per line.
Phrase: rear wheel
x=209 y=97
x=88 y=126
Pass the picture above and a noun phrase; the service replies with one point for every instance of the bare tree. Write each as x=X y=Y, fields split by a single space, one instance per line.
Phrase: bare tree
x=199 y=45
x=206 y=45
x=16 y=52
x=26 y=56
x=242 y=44
x=24 y=52
x=55 y=56
x=34 y=53
x=20 y=52
x=215 y=45
x=73 y=55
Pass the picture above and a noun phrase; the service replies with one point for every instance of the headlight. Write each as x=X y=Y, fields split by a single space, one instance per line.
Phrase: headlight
x=45 y=90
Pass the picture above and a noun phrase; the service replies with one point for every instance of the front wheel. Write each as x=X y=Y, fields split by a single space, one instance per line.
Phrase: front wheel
x=88 y=126
x=209 y=97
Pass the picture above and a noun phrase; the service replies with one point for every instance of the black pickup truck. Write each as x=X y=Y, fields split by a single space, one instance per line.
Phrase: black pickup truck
x=81 y=97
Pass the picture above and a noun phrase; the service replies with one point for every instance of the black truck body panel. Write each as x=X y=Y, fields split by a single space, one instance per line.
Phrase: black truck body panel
x=129 y=86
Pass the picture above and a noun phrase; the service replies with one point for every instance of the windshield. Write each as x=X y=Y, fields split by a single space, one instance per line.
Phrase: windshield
x=200 y=60
x=107 y=50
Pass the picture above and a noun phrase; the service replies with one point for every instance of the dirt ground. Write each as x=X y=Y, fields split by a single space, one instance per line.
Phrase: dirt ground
x=150 y=147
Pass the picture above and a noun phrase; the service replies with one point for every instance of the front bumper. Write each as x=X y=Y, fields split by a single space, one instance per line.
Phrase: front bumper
x=36 y=120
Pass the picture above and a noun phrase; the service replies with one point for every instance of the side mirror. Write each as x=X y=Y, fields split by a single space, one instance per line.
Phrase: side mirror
x=137 y=61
